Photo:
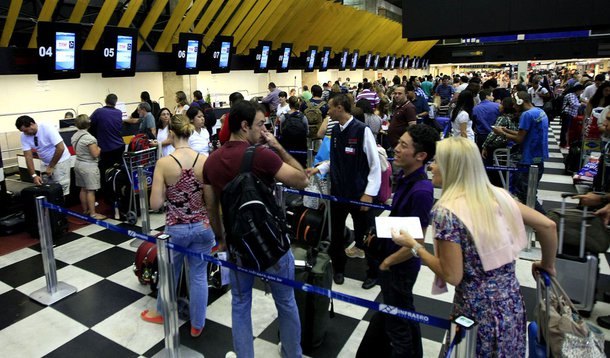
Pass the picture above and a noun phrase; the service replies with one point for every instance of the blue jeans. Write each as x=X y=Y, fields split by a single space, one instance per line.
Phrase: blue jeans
x=288 y=314
x=397 y=289
x=195 y=237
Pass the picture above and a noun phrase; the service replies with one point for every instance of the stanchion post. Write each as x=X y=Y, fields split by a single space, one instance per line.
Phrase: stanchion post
x=279 y=196
x=167 y=292
x=531 y=200
x=310 y=154
x=466 y=345
x=54 y=291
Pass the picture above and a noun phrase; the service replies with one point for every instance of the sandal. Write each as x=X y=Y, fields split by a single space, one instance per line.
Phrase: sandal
x=157 y=319
x=99 y=217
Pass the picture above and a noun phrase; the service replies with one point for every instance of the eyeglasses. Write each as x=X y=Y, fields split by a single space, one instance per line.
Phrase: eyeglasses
x=36 y=141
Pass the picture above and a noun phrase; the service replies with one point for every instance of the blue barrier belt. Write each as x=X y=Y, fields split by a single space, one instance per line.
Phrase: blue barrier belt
x=337 y=199
x=376 y=306
x=297 y=152
x=453 y=343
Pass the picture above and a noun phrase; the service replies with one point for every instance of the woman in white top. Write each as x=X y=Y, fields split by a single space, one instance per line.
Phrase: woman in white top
x=199 y=141
x=164 y=137
x=181 y=103
x=461 y=122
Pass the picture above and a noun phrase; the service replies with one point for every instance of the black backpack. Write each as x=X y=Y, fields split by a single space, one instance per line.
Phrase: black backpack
x=292 y=127
x=256 y=230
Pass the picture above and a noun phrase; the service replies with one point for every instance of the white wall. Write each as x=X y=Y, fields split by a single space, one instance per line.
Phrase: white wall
x=25 y=95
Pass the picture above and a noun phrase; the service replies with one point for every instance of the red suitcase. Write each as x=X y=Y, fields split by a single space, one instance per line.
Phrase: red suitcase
x=145 y=266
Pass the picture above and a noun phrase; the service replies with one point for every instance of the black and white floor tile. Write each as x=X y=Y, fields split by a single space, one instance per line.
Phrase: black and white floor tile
x=102 y=318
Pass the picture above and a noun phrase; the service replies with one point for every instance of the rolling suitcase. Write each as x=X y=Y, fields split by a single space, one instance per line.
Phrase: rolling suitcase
x=314 y=267
x=55 y=195
x=146 y=266
x=577 y=274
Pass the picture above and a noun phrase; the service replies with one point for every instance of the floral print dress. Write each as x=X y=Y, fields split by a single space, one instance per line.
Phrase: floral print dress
x=491 y=298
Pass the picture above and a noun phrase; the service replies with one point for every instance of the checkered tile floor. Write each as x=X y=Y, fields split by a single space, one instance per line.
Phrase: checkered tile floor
x=102 y=318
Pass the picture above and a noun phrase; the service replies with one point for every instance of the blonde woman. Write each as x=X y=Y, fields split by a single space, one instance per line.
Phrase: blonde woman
x=181 y=103
x=479 y=231
x=178 y=180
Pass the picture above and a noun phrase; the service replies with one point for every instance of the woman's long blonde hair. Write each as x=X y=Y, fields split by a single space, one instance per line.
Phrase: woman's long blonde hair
x=463 y=175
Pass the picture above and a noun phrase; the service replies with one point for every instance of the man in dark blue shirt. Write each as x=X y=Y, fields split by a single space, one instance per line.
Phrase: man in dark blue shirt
x=485 y=114
x=398 y=271
x=445 y=91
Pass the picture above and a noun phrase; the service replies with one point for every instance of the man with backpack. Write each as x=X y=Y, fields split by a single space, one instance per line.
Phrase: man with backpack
x=247 y=126
x=293 y=130
x=315 y=110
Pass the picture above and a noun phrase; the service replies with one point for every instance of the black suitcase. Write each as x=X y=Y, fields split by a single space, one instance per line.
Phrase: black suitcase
x=55 y=195
x=12 y=223
x=315 y=268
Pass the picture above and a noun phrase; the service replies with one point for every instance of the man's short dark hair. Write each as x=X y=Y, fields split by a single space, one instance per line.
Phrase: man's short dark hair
x=111 y=99
x=464 y=79
x=358 y=114
x=283 y=94
x=242 y=111
x=316 y=91
x=396 y=80
x=424 y=139
x=600 y=77
x=344 y=101
x=293 y=102
x=475 y=79
x=235 y=97
x=271 y=85
x=484 y=93
x=367 y=85
x=24 y=121
x=198 y=95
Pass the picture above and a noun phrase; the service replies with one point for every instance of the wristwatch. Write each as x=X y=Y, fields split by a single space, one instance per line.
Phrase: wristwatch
x=415 y=248
x=34 y=175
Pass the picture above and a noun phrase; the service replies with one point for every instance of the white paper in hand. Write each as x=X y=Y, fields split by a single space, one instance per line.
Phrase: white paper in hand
x=411 y=224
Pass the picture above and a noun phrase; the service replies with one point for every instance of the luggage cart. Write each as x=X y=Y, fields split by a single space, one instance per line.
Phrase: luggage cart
x=147 y=158
x=502 y=158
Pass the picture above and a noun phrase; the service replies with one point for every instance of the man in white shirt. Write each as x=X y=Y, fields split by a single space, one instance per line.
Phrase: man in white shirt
x=590 y=90
x=45 y=141
x=355 y=174
x=538 y=93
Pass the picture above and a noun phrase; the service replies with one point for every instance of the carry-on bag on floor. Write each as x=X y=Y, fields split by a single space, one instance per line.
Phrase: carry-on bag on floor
x=12 y=223
x=577 y=274
x=314 y=268
x=146 y=266
x=55 y=195
x=559 y=331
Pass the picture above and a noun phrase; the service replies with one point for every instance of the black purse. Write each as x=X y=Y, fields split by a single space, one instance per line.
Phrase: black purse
x=375 y=247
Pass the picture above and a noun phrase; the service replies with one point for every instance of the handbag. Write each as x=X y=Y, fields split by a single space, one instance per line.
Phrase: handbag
x=374 y=246
x=565 y=331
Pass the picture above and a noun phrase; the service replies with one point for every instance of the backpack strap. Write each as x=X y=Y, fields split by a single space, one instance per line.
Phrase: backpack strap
x=246 y=163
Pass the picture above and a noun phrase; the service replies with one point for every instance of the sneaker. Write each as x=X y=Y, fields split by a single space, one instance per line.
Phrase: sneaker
x=196 y=332
x=353 y=252
x=231 y=354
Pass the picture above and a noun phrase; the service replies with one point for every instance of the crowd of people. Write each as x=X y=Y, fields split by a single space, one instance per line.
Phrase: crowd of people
x=478 y=227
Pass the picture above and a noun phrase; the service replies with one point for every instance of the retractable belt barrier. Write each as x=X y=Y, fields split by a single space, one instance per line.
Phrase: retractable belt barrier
x=337 y=199
x=506 y=169
x=391 y=310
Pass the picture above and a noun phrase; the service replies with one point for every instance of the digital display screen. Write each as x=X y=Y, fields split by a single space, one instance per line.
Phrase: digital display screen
x=393 y=62
x=192 y=50
x=123 y=52
x=376 y=62
x=464 y=321
x=311 y=59
x=406 y=65
x=285 y=58
x=325 y=58
x=367 y=61
x=354 y=63
x=264 y=57
x=401 y=62
x=387 y=62
x=65 y=50
x=343 y=60
x=225 y=53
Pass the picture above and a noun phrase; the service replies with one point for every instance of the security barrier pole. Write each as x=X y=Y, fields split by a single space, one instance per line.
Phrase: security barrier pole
x=167 y=290
x=466 y=342
x=310 y=154
x=279 y=196
x=54 y=291
x=144 y=214
x=531 y=201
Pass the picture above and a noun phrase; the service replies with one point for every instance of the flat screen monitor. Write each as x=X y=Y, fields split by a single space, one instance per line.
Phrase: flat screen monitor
x=188 y=54
x=401 y=62
x=262 y=53
x=310 y=59
x=119 y=52
x=376 y=61
x=283 y=59
x=59 y=50
x=406 y=64
x=222 y=50
x=393 y=62
x=354 y=61
x=386 y=63
x=416 y=62
x=325 y=57
x=367 y=61
x=343 y=59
